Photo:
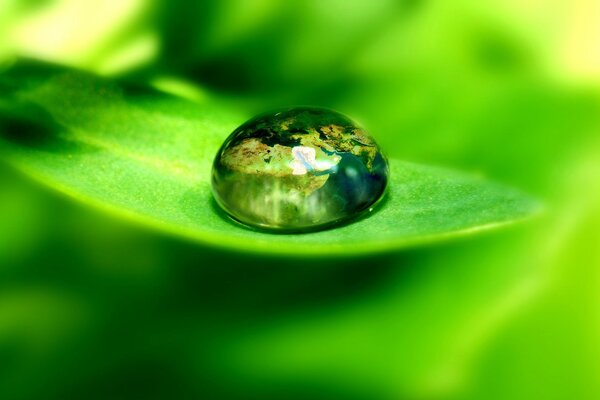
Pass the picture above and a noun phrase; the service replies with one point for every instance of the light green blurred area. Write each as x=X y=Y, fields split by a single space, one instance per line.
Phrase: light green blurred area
x=94 y=307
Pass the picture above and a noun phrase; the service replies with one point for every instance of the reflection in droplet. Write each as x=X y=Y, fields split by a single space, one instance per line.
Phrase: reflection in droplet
x=300 y=169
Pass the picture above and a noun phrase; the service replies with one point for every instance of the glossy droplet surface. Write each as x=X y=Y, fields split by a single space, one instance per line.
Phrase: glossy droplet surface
x=300 y=169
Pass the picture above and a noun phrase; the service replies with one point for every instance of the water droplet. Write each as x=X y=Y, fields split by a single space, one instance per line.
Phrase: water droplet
x=301 y=169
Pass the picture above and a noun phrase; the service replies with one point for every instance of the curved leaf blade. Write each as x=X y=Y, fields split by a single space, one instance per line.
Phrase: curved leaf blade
x=148 y=155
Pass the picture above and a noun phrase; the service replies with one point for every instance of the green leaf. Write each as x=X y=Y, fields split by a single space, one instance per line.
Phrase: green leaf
x=148 y=155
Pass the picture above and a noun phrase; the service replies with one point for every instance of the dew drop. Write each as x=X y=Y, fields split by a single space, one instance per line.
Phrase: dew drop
x=301 y=169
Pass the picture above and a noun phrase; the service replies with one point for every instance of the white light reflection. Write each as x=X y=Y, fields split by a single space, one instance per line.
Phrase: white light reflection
x=305 y=160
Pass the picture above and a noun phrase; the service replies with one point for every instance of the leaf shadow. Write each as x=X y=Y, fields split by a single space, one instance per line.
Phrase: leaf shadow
x=29 y=125
x=238 y=288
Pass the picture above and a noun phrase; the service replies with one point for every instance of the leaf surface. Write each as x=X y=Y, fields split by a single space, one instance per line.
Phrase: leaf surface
x=147 y=155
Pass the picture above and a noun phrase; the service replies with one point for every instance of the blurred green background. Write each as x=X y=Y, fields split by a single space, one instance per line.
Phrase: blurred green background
x=96 y=307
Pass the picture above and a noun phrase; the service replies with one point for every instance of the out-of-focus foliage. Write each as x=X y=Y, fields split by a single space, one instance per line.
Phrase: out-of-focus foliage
x=93 y=307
